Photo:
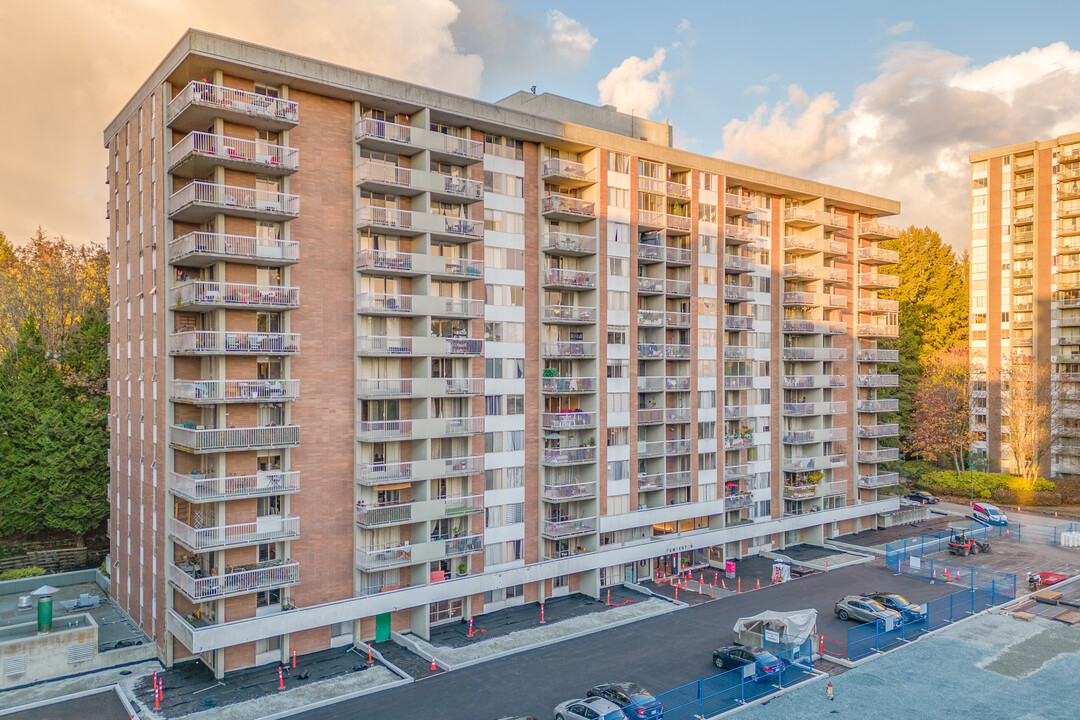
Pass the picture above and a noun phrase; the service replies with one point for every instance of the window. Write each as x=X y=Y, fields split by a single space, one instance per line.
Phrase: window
x=618 y=436
x=504 y=552
x=706 y=338
x=504 y=332
x=707 y=399
x=707 y=275
x=504 y=441
x=500 y=515
x=503 y=184
x=618 y=402
x=503 y=221
x=618 y=267
x=504 y=258
x=706 y=461
x=706 y=430
x=445 y=611
x=267 y=598
x=618 y=335
x=504 y=147
x=618 y=368
x=618 y=505
x=617 y=162
x=706 y=212
x=707 y=244
x=706 y=368
x=515 y=404
x=493 y=367
x=507 y=295
x=707 y=181
x=503 y=478
x=493 y=405
x=618 y=300
x=618 y=470
x=618 y=197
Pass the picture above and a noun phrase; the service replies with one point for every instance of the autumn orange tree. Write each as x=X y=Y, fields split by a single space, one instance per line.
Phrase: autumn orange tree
x=941 y=421
x=1030 y=403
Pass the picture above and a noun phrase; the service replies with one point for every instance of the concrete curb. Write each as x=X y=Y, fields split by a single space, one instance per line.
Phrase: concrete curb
x=855 y=549
x=411 y=645
x=818 y=677
x=75 y=696
x=336 y=699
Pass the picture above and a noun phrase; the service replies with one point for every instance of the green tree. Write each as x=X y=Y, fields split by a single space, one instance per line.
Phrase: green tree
x=933 y=297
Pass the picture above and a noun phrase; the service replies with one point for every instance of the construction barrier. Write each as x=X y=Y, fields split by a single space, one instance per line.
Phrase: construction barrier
x=1045 y=534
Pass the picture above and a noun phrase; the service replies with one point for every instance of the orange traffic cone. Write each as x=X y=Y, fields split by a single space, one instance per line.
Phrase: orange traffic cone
x=947 y=575
x=723 y=584
x=957 y=576
x=758 y=586
x=434 y=667
x=711 y=589
x=676 y=593
x=739 y=588
x=933 y=576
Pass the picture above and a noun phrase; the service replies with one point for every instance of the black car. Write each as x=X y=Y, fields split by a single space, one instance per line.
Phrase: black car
x=893 y=601
x=635 y=701
x=735 y=656
x=921 y=496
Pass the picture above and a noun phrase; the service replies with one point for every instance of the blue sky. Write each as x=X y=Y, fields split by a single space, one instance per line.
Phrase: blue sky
x=888 y=98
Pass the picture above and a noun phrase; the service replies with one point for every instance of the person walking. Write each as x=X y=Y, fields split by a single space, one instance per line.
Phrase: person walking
x=828 y=690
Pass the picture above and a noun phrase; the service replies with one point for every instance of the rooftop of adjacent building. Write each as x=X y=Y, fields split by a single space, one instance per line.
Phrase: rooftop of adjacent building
x=1023 y=147
x=536 y=118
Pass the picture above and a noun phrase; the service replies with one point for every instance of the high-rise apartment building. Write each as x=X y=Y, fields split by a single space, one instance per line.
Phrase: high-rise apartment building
x=1025 y=287
x=386 y=357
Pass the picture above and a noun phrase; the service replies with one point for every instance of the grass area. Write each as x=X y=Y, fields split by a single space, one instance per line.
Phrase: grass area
x=1063 y=511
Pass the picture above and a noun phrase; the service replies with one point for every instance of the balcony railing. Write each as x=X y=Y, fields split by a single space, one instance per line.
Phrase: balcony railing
x=651 y=184
x=650 y=416
x=738 y=382
x=646 y=251
x=678 y=189
x=879 y=280
x=569 y=385
x=877 y=431
x=563 y=492
x=240 y=295
x=814 y=353
x=218 y=342
x=655 y=448
x=677 y=319
x=569 y=456
x=676 y=383
x=379 y=430
x=225 y=439
x=382 y=515
x=566 y=205
x=738 y=322
x=265 y=575
x=678 y=287
x=877 y=305
x=568 y=243
x=878 y=456
x=737 y=293
x=881 y=355
x=247 y=201
x=200 y=488
x=557 y=168
x=568 y=314
x=801 y=215
x=877 y=330
x=650 y=285
x=738 y=202
x=379 y=473
x=650 y=318
x=738 y=501
x=235 y=151
x=418 y=264
x=678 y=255
x=736 y=412
x=232 y=100
x=875 y=406
x=878 y=230
x=273 y=528
x=386 y=346
x=569 y=349
x=233 y=247
x=736 y=352
x=569 y=528
x=883 y=380
x=568 y=420
x=677 y=447
x=737 y=263
x=880 y=480
x=741 y=233
x=562 y=277
x=650 y=351
x=373 y=388
x=677 y=415
x=677 y=352
x=387 y=556
x=677 y=222
x=220 y=391
x=738 y=442
x=881 y=255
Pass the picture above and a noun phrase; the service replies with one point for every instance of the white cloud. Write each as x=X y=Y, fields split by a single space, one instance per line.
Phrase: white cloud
x=683 y=25
x=901 y=27
x=636 y=85
x=757 y=89
x=908 y=132
x=571 y=37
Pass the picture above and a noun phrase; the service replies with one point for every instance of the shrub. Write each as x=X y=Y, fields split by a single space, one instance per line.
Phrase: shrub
x=20 y=573
x=916 y=469
x=1002 y=487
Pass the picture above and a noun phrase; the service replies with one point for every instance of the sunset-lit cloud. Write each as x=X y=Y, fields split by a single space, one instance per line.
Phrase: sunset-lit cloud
x=637 y=86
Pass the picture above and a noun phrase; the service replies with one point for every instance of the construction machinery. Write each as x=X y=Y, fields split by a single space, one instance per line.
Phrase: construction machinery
x=961 y=543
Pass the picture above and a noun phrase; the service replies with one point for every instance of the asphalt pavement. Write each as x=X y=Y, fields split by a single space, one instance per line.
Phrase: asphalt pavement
x=661 y=653
x=1010 y=511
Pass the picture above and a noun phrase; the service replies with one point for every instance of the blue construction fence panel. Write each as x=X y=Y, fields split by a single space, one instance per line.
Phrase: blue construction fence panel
x=733 y=688
x=1042 y=534
x=931 y=544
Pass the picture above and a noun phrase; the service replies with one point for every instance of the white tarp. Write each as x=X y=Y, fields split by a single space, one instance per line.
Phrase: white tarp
x=797 y=623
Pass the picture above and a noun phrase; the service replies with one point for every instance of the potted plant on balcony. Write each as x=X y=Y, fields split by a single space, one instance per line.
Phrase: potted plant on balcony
x=550 y=372
x=462 y=568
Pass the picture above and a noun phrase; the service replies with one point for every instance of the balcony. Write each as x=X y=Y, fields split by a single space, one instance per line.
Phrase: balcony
x=878 y=280
x=382 y=388
x=877 y=231
x=649 y=219
x=738 y=322
x=677 y=352
x=738 y=382
x=800 y=382
x=655 y=448
x=813 y=327
x=814 y=435
x=569 y=385
x=677 y=383
x=814 y=353
x=737 y=501
x=568 y=244
x=677 y=223
x=650 y=318
x=558 y=529
x=736 y=412
x=648 y=254
x=871 y=482
x=877 y=305
x=678 y=255
x=418 y=429
x=569 y=456
x=389 y=263
x=677 y=320
x=650 y=351
x=397 y=180
x=200 y=103
x=262 y=576
x=737 y=263
x=419 y=511
x=200 y=295
x=877 y=381
x=877 y=406
x=677 y=415
x=408 y=140
x=802 y=217
x=198 y=201
x=415 y=305
x=564 y=207
x=812 y=299
x=738 y=204
x=198 y=153
x=201 y=488
x=564 y=279
x=736 y=234
x=385 y=346
x=678 y=189
x=574 y=420
x=212 y=392
x=737 y=293
x=736 y=352
x=381 y=557
x=373 y=474
x=650 y=416
x=886 y=356
x=566 y=173
x=200 y=249
x=272 y=528
x=805 y=409
x=877 y=330
x=800 y=492
x=568 y=349
x=677 y=447
x=878 y=456
x=650 y=286
x=568 y=492
x=738 y=442
x=679 y=288
x=878 y=256
x=214 y=440
x=406 y=223
x=651 y=185
x=217 y=342
x=878 y=431
x=568 y=315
